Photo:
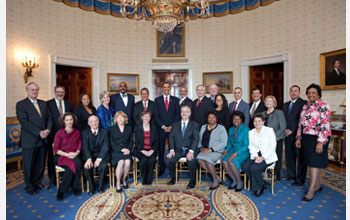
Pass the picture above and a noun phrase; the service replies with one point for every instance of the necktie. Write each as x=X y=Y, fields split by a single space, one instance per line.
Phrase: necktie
x=124 y=95
x=253 y=111
x=37 y=107
x=95 y=133
x=199 y=101
x=166 y=103
x=183 y=129
x=60 y=107
x=234 y=107
x=183 y=134
x=290 y=107
x=145 y=107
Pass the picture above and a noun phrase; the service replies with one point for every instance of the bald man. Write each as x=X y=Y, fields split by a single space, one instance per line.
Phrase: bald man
x=95 y=148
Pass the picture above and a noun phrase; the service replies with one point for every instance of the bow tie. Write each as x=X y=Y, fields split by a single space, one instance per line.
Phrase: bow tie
x=124 y=95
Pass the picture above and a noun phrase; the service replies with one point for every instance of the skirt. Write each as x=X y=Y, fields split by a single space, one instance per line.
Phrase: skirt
x=311 y=158
x=211 y=157
x=116 y=156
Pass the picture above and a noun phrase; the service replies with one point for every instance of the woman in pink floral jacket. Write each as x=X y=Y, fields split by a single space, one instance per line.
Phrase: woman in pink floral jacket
x=313 y=137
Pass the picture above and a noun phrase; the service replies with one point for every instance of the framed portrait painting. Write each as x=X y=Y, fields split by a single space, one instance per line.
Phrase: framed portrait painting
x=132 y=80
x=171 y=44
x=333 y=69
x=222 y=79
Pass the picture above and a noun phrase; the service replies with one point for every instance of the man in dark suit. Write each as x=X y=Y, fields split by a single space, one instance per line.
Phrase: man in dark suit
x=183 y=142
x=184 y=100
x=240 y=105
x=256 y=106
x=143 y=105
x=201 y=106
x=167 y=111
x=57 y=107
x=335 y=77
x=36 y=124
x=123 y=101
x=95 y=148
x=213 y=91
x=292 y=111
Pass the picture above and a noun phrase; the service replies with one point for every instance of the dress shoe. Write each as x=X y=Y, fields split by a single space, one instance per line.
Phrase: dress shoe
x=214 y=187
x=258 y=193
x=232 y=187
x=319 y=189
x=306 y=199
x=125 y=186
x=59 y=196
x=297 y=183
x=238 y=190
x=119 y=190
x=32 y=192
x=172 y=182
x=101 y=190
x=191 y=185
x=91 y=191
x=76 y=192
x=40 y=187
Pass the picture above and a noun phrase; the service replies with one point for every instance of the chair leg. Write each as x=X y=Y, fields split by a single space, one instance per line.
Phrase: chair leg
x=87 y=186
x=176 y=175
x=57 y=180
x=245 y=181
x=82 y=181
x=157 y=172
x=109 y=176
x=134 y=171
x=273 y=181
x=113 y=177
x=200 y=175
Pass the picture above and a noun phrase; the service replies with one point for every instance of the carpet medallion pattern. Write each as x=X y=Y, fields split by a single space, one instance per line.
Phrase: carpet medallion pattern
x=228 y=203
x=101 y=206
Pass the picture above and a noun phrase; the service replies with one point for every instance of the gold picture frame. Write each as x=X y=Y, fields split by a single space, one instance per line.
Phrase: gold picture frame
x=222 y=79
x=171 y=44
x=132 y=80
x=329 y=78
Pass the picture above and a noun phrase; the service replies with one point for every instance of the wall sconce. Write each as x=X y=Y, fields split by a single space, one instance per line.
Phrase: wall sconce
x=29 y=63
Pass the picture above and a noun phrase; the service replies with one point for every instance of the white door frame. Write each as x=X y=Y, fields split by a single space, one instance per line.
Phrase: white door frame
x=95 y=66
x=245 y=71
x=169 y=66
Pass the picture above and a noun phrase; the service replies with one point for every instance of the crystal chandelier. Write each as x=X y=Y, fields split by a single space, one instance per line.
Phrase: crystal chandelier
x=165 y=14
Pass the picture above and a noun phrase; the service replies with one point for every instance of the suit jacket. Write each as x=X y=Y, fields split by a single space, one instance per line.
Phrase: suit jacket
x=199 y=114
x=265 y=142
x=187 y=102
x=261 y=107
x=51 y=104
x=139 y=139
x=138 y=109
x=294 y=115
x=218 y=138
x=83 y=117
x=190 y=139
x=163 y=117
x=118 y=105
x=32 y=123
x=277 y=121
x=101 y=144
x=244 y=108
x=332 y=78
x=118 y=140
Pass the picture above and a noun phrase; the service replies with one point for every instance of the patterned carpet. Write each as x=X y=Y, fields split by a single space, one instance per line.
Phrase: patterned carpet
x=161 y=201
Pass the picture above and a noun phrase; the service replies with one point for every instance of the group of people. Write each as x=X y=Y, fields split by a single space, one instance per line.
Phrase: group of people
x=243 y=136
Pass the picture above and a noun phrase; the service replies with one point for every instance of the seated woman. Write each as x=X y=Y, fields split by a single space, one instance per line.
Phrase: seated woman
x=236 y=151
x=262 y=149
x=105 y=112
x=67 y=146
x=121 y=145
x=146 y=147
x=212 y=143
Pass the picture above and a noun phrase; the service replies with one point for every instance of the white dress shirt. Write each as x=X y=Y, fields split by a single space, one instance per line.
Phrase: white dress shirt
x=256 y=106
x=125 y=99
x=58 y=105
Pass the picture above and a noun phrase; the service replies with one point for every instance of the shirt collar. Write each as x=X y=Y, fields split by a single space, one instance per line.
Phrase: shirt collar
x=257 y=103
x=92 y=130
x=32 y=100
x=294 y=100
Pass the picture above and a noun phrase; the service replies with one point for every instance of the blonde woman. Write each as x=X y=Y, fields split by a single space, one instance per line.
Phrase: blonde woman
x=105 y=112
x=121 y=140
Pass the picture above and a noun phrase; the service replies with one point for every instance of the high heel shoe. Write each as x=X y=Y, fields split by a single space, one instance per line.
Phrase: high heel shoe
x=306 y=199
x=119 y=190
x=319 y=189
x=125 y=186
x=232 y=187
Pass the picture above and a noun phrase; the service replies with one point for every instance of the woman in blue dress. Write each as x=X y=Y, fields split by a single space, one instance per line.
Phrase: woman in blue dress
x=105 y=112
x=236 y=151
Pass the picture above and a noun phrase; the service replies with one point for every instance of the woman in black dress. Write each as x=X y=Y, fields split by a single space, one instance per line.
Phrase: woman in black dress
x=121 y=145
x=83 y=111
x=222 y=111
x=146 y=147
